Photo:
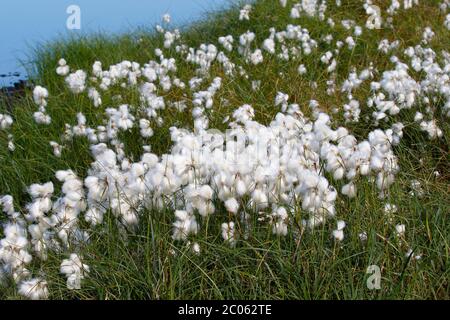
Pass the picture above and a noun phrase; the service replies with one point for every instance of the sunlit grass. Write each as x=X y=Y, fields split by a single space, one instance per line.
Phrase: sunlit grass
x=150 y=265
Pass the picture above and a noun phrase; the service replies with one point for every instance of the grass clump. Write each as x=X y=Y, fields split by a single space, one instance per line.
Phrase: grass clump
x=145 y=262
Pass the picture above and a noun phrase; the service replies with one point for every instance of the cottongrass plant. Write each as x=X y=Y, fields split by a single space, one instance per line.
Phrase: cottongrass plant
x=270 y=160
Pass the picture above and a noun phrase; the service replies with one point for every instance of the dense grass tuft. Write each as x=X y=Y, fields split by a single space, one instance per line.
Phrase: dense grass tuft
x=148 y=264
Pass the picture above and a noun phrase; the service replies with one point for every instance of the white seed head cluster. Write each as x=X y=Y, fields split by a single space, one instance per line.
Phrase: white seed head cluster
x=293 y=163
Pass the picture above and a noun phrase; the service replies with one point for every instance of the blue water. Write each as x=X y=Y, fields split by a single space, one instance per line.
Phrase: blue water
x=24 y=23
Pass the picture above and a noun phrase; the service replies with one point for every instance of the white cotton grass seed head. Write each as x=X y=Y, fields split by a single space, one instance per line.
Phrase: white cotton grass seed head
x=40 y=94
x=42 y=118
x=6 y=121
x=279 y=220
x=11 y=145
x=74 y=270
x=196 y=248
x=232 y=205
x=410 y=254
x=228 y=233
x=34 y=289
x=302 y=69
x=95 y=97
x=63 y=69
x=390 y=208
x=363 y=236
x=400 y=230
x=269 y=45
x=244 y=13
x=338 y=234
x=76 y=82
x=184 y=226
x=57 y=148
x=340 y=225
x=349 y=190
x=256 y=57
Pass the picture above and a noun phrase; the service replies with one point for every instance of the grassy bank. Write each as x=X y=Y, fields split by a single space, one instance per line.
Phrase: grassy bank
x=149 y=264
